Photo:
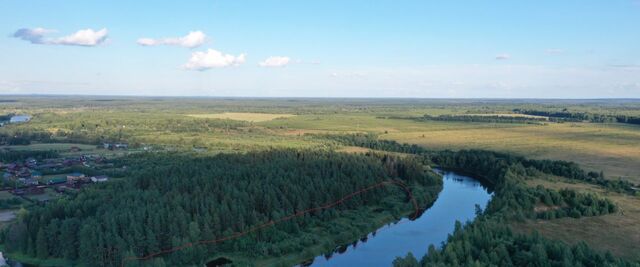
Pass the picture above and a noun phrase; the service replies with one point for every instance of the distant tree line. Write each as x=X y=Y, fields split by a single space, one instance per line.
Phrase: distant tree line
x=371 y=141
x=484 y=159
x=566 y=115
x=21 y=155
x=483 y=118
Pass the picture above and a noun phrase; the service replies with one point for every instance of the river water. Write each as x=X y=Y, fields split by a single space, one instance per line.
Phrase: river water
x=456 y=202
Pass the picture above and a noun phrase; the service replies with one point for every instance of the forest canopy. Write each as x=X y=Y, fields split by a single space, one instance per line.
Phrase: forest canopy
x=169 y=200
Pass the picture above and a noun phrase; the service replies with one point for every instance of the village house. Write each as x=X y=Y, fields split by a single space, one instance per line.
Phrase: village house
x=28 y=181
x=75 y=177
x=100 y=178
x=36 y=174
x=71 y=162
x=24 y=173
x=50 y=166
x=31 y=162
x=57 y=180
x=112 y=146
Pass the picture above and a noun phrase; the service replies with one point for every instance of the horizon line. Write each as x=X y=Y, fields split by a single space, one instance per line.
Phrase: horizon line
x=318 y=97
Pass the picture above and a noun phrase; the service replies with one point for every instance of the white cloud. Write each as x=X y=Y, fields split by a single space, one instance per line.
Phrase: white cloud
x=191 y=40
x=35 y=36
x=86 y=37
x=275 y=61
x=503 y=56
x=203 y=60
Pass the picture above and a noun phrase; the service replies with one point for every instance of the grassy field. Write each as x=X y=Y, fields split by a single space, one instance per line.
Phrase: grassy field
x=612 y=148
x=615 y=149
x=242 y=116
x=618 y=232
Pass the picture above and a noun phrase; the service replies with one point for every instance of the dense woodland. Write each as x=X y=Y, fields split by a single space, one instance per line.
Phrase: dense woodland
x=170 y=200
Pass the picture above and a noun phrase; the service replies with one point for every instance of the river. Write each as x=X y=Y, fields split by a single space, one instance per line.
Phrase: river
x=456 y=202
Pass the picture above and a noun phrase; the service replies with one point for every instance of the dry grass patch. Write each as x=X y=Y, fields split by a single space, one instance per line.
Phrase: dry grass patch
x=611 y=148
x=354 y=149
x=241 y=116
x=618 y=233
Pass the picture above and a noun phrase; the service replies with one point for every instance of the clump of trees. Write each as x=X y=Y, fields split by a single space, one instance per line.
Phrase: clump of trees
x=371 y=141
x=512 y=199
x=490 y=242
x=23 y=137
x=483 y=118
x=10 y=202
x=20 y=155
x=566 y=115
x=168 y=200
x=480 y=162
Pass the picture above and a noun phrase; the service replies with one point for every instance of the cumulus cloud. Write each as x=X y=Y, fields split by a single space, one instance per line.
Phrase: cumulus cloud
x=275 y=61
x=503 y=56
x=86 y=37
x=35 y=36
x=203 y=60
x=191 y=40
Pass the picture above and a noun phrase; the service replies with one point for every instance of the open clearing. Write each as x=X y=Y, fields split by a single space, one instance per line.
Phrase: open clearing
x=240 y=116
x=622 y=228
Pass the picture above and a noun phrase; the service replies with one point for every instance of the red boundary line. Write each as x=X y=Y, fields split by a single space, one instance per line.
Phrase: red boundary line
x=283 y=219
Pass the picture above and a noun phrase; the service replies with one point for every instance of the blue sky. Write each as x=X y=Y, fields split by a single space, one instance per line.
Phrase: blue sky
x=510 y=49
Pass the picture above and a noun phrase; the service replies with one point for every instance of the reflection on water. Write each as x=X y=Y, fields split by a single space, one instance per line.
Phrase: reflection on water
x=456 y=202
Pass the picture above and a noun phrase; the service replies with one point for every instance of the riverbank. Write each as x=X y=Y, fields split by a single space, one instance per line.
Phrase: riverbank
x=350 y=227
